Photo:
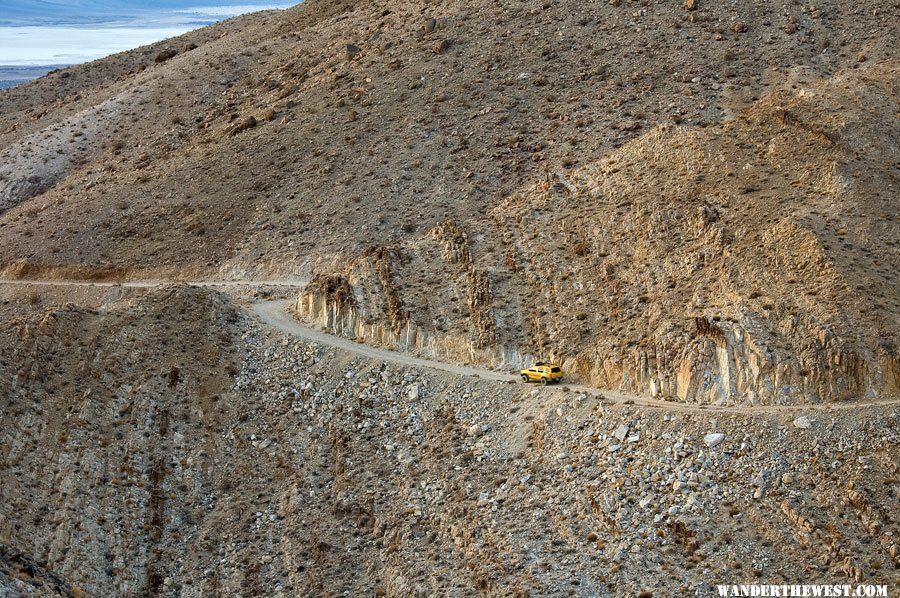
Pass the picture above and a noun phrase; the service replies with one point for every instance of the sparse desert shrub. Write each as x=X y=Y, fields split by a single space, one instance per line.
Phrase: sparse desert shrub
x=165 y=55
x=244 y=124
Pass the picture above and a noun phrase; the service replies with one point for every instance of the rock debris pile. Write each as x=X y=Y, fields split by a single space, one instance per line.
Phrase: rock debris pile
x=308 y=471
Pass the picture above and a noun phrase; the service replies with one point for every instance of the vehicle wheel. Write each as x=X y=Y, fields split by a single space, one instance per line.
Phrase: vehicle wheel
x=544 y=381
x=524 y=378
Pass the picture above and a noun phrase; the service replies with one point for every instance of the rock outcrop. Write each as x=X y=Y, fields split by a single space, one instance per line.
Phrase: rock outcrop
x=689 y=265
x=364 y=303
x=21 y=575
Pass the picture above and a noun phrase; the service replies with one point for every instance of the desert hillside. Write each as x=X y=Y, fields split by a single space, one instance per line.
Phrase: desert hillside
x=376 y=121
x=165 y=442
x=692 y=206
x=618 y=173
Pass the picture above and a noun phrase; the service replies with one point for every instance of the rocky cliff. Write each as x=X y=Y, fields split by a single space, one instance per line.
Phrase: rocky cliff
x=499 y=182
x=364 y=302
x=751 y=262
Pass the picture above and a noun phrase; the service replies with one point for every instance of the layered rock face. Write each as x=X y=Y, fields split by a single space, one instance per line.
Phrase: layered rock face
x=748 y=262
x=753 y=262
x=364 y=303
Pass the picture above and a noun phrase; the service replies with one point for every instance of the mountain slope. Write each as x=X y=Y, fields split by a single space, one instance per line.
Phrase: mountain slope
x=407 y=147
x=163 y=442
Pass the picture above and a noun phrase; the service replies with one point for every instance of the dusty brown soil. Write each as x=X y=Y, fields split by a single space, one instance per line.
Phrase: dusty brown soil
x=620 y=173
x=692 y=202
x=161 y=441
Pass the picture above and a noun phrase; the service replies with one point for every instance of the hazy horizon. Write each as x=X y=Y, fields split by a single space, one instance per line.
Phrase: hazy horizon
x=35 y=33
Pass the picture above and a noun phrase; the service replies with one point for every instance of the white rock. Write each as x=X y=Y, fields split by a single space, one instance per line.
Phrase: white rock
x=713 y=439
x=803 y=422
x=621 y=432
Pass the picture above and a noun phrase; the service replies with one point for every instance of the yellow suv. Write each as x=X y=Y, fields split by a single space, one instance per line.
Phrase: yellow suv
x=545 y=373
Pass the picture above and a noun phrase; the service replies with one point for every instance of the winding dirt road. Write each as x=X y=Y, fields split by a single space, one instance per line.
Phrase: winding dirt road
x=275 y=314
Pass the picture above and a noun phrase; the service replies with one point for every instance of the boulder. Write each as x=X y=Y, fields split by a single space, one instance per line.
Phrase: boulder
x=803 y=423
x=713 y=439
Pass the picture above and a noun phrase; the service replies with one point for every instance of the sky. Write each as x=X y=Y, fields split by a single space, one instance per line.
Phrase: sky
x=60 y=32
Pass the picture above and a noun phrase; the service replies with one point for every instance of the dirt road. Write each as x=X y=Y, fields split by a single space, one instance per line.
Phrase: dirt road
x=275 y=314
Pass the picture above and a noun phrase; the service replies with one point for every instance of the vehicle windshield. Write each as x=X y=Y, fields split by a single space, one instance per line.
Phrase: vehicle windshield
x=554 y=370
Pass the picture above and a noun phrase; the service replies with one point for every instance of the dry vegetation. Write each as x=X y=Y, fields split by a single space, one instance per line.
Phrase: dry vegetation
x=620 y=171
x=162 y=443
x=691 y=200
